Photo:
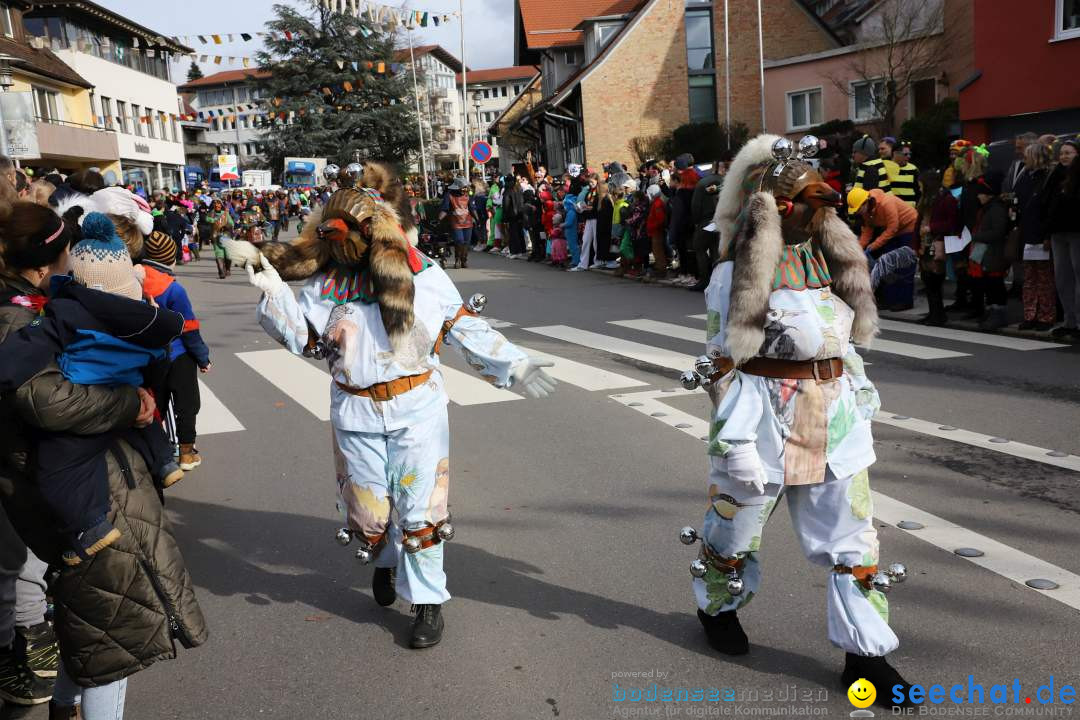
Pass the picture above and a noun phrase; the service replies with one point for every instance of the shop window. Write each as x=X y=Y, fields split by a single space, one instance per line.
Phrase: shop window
x=804 y=109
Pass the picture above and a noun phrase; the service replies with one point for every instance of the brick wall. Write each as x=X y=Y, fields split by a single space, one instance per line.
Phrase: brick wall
x=788 y=31
x=641 y=87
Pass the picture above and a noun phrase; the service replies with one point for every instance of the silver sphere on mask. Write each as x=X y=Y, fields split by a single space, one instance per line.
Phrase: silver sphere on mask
x=690 y=380
x=688 y=535
x=704 y=366
x=343 y=536
x=445 y=532
x=478 y=302
x=808 y=146
x=782 y=150
x=698 y=569
x=881 y=582
x=734 y=585
x=411 y=544
x=354 y=170
x=897 y=572
x=364 y=555
x=331 y=171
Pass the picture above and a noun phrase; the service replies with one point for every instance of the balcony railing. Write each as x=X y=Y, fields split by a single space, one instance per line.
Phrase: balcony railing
x=68 y=123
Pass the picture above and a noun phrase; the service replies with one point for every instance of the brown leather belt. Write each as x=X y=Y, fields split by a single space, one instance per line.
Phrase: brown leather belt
x=381 y=392
x=828 y=369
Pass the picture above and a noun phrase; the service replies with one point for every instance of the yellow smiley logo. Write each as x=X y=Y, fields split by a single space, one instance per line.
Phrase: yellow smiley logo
x=862 y=693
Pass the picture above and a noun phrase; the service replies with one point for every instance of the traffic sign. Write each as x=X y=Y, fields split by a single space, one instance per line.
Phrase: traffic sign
x=480 y=152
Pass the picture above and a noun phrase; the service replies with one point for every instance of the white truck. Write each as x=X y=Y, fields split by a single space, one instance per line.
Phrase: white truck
x=256 y=179
x=303 y=172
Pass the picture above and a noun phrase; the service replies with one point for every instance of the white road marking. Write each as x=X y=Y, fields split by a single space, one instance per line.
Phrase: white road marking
x=999 y=558
x=471 y=389
x=214 y=418
x=497 y=324
x=294 y=376
x=976 y=338
x=636 y=351
x=582 y=375
x=698 y=317
x=671 y=330
x=919 y=352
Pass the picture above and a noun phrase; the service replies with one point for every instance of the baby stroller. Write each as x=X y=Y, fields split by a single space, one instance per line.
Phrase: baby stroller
x=433 y=242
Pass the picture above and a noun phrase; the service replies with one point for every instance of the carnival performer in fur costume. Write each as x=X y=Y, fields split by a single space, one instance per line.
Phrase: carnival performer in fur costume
x=792 y=405
x=380 y=312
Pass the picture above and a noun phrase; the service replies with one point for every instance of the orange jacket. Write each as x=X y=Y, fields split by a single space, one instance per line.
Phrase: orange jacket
x=892 y=215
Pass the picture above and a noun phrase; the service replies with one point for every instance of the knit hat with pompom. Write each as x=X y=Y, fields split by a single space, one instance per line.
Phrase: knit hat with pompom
x=101 y=261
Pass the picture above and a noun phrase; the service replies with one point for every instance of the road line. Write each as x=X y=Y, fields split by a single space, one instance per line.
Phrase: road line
x=997 y=557
x=470 y=389
x=606 y=343
x=919 y=352
x=586 y=377
x=976 y=338
x=681 y=332
x=214 y=418
x=300 y=380
x=698 y=317
x=671 y=330
x=967 y=437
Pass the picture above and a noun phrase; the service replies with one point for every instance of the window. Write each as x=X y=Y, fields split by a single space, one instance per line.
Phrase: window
x=504 y=93
x=865 y=99
x=1067 y=19
x=923 y=96
x=214 y=124
x=570 y=57
x=121 y=114
x=5 y=21
x=151 y=121
x=699 y=40
x=804 y=109
x=517 y=90
x=176 y=137
x=137 y=119
x=604 y=33
x=702 y=98
x=47 y=104
x=106 y=111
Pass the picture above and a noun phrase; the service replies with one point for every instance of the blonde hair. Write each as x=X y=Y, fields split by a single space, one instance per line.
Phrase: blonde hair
x=974 y=165
x=130 y=234
x=40 y=192
x=1037 y=157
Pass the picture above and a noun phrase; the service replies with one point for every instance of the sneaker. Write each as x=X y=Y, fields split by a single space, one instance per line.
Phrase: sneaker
x=1063 y=333
x=576 y=268
x=42 y=655
x=597 y=266
x=91 y=542
x=19 y=685
x=612 y=265
x=189 y=457
x=427 y=627
x=506 y=252
x=171 y=474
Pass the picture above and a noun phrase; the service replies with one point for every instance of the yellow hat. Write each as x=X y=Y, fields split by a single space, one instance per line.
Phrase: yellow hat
x=855 y=199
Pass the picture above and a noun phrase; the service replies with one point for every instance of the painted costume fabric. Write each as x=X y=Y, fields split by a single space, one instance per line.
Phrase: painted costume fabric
x=814 y=441
x=392 y=457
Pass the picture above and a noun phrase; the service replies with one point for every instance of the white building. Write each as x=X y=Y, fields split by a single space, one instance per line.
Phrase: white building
x=490 y=92
x=440 y=103
x=128 y=65
x=225 y=104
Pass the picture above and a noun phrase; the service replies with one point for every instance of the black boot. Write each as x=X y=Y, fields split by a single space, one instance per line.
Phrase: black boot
x=880 y=673
x=382 y=586
x=724 y=632
x=427 y=626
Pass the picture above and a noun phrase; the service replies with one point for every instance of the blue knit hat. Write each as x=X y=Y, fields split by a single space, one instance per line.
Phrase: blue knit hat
x=101 y=260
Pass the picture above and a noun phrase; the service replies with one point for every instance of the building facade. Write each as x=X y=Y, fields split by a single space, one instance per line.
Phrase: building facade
x=128 y=67
x=224 y=106
x=440 y=103
x=68 y=138
x=489 y=92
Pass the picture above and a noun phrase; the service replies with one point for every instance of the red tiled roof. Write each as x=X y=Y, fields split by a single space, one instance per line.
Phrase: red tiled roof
x=517 y=72
x=226 y=76
x=551 y=23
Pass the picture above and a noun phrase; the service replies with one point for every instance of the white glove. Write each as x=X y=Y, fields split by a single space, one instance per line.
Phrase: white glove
x=268 y=280
x=533 y=380
x=743 y=465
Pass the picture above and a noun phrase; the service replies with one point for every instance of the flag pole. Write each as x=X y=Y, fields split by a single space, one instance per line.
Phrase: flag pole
x=464 y=96
x=419 y=118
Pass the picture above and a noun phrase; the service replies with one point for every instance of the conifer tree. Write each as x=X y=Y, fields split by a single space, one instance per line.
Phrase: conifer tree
x=194 y=72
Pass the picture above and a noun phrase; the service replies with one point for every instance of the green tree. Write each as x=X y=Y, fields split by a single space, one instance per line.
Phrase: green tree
x=194 y=72
x=929 y=134
x=372 y=113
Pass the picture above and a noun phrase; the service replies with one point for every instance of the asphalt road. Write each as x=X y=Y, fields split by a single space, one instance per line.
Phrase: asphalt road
x=566 y=572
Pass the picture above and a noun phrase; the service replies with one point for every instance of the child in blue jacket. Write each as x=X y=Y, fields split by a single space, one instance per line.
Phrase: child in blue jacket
x=570 y=227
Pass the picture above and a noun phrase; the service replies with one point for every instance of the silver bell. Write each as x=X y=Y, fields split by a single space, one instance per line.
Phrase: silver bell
x=411 y=544
x=354 y=170
x=344 y=537
x=782 y=150
x=897 y=572
x=445 y=532
x=688 y=535
x=703 y=365
x=331 y=171
x=690 y=380
x=364 y=555
x=734 y=585
x=881 y=582
x=698 y=569
x=477 y=303
x=808 y=146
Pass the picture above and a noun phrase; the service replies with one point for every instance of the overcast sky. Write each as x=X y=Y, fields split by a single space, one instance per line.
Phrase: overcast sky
x=489 y=26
